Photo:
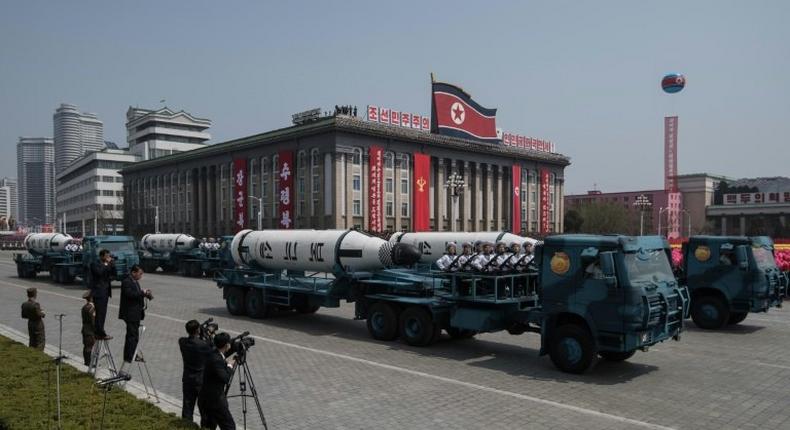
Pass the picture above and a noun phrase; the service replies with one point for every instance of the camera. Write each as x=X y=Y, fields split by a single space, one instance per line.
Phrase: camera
x=241 y=343
x=207 y=330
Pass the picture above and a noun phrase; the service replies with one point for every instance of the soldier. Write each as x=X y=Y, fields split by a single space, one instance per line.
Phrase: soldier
x=502 y=257
x=449 y=261
x=31 y=311
x=483 y=261
x=88 y=332
x=513 y=257
x=465 y=259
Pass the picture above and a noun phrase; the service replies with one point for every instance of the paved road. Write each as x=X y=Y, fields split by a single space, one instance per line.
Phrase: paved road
x=324 y=371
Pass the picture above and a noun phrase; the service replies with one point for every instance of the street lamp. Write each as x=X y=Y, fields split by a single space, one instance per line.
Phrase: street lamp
x=455 y=186
x=260 y=206
x=643 y=204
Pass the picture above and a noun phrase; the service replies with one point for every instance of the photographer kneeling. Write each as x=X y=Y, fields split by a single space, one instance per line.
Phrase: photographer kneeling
x=216 y=376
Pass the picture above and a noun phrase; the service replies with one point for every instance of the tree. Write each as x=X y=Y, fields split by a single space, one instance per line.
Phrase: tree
x=608 y=218
x=573 y=221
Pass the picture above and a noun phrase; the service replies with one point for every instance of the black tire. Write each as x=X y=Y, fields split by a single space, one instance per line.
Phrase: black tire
x=20 y=271
x=54 y=274
x=460 y=334
x=383 y=321
x=31 y=274
x=417 y=327
x=255 y=306
x=709 y=312
x=616 y=356
x=235 y=301
x=307 y=309
x=68 y=279
x=737 y=317
x=571 y=348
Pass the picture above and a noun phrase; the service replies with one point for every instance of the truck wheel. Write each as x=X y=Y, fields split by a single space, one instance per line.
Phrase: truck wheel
x=737 y=317
x=459 y=333
x=307 y=309
x=383 y=321
x=235 y=301
x=54 y=274
x=20 y=272
x=417 y=327
x=255 y=306
x=31 y=274
x=616 y=356
x=709 y=312
x=571 y=349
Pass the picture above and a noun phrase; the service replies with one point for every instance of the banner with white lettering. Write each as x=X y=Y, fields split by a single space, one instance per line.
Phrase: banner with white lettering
x=285 y=165
x=240 y=193
x=544 y=201
x=376 y=189
x=670 y=153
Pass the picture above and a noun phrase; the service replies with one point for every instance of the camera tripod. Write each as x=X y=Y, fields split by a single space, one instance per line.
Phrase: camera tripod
x=245 y=379
x=57 y=361
x=139 y=358
x=107 y=384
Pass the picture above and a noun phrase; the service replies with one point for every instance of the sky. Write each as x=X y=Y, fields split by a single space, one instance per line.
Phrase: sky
x=583 y=74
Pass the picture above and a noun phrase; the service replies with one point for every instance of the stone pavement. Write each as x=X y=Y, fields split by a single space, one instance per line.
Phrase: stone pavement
x=324 y=370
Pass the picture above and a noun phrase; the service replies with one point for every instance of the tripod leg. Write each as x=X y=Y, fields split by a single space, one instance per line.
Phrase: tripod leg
x=254 y=392
x=150 y=381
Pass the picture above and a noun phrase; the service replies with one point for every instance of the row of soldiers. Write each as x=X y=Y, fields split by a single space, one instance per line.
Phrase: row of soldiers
x=484 y=257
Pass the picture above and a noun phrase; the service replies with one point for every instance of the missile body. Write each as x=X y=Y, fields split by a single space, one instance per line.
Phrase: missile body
x=41 y=243
x=168 y=242
x=318 y=250
x=432 y=244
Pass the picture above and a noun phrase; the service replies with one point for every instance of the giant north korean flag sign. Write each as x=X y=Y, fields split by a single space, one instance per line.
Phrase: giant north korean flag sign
x=454 y=113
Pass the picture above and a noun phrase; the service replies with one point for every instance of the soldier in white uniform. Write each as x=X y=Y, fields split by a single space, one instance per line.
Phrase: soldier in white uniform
x=449 y=262
x=483 y=263
x=513 y=257
x=465 y=259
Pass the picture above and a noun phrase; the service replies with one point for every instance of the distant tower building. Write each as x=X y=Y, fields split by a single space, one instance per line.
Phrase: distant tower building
x=76 y=134
x=10 y=207
x=35 y=157
x=155 y=133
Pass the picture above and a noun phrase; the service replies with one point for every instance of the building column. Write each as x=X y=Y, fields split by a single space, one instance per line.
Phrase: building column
x=723 y=225
x=194 y=183
x=743 y=225
x=782 y=221
x=478 y=198
x=440 y=195
x=464 y=204
x=396 y=195
x=560 y=213
x=488 y=192
x=349 y=189
x=213 y=228
x=503 y=199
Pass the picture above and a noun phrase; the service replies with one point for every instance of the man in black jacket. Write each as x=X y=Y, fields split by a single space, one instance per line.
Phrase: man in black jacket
x=194 y=352
x=216 y=376
x=132 y=311
x=101 y=275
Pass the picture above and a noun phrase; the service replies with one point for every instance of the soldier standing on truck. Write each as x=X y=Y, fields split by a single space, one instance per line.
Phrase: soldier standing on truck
x=31 y=311
x=466 y=257
x=484 y=260
x=449 y=262
x=88 y=331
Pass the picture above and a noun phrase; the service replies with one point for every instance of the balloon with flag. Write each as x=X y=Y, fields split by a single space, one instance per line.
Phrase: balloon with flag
x=673 y=82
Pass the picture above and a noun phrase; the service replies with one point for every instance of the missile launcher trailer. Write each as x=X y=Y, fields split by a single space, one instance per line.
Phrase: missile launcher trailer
x=184 y=254
x=57 y=254
x=593 y=295
x=730 y=276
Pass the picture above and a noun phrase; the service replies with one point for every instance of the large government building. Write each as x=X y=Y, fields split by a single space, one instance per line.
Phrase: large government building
x=341 y=171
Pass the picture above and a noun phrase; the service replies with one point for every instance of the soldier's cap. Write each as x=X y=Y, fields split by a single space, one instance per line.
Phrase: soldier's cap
x=487 y=243
x=449 y=244
x=527 y=243
x=86 y=295
x=465 y=244
x=501 y=242
x=515 y=244
x=478 y=242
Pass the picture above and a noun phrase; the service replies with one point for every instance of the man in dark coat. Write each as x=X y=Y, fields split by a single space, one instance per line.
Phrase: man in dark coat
x=31 y=311
x=102 y=272
x=88 y=313
x=194 y=352
x=132 y=311
x=216 y=375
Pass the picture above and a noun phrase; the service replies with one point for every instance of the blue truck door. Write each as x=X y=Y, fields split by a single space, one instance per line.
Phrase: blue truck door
x=731 y=280
x=603 y=302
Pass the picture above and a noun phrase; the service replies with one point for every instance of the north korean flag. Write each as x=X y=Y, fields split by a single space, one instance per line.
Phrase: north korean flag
x=454 y=113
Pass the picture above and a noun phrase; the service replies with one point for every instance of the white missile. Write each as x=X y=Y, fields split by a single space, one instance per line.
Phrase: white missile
x=41 y=243
x=168 y=242
x=432 y=244
x=319 y=250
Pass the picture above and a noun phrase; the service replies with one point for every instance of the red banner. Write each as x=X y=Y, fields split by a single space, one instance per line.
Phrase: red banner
x=670 y=153
x=544 y=201
x=285 y=164
x=376 y=190
x=420 y=191
x=516 y=216
x=240 y=193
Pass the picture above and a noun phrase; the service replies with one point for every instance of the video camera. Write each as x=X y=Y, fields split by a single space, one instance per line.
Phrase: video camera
x=208 y=329
x=241 y=343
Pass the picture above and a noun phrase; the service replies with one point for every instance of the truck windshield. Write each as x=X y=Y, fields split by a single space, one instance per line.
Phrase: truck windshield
x=117 y=246
x=764 y=257
x=648 y=265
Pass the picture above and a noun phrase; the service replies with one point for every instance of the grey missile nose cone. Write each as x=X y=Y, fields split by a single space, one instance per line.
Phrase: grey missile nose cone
x=404 y=254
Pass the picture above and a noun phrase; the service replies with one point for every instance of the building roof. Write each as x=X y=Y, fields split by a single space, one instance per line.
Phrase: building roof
x=350 y=124
x=140 y=115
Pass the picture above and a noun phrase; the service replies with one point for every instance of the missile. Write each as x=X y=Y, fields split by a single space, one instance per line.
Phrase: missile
x=168 y=242
x=432 y=244
x=41 y=243
x=333 y=251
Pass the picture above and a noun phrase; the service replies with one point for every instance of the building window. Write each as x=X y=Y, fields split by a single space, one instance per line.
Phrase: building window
x=404 y=209
x=389 y=208
x=264 y=184
x=275 y=189
x=315 y=180
x=223 y=193
x=357 y=208
x=357 y=158
x=388 y=187
x=357 y=181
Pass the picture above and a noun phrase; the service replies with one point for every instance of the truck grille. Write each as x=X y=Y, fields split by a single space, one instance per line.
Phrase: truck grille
x=656 y=310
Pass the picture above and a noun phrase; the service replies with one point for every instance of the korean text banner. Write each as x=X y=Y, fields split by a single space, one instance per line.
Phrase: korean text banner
x=240 y=193
x=376 y=189
x=286 y=168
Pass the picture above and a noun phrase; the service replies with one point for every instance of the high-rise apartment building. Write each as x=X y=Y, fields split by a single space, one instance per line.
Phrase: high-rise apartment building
x=36 y=179
x=10 y=206
x=155 y=133
x=76 y=134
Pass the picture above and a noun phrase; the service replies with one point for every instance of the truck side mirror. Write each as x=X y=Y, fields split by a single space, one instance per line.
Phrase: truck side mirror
x=607 y=267
x=742 y=256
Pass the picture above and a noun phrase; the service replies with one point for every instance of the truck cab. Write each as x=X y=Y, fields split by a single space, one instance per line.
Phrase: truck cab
x=730 y=276
x=606 y=295
x=122 y=248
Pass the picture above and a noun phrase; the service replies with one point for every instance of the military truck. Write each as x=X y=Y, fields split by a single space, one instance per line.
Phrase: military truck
x=57 y=254
x=182 y=253
x=592 y=295
x=728 y=277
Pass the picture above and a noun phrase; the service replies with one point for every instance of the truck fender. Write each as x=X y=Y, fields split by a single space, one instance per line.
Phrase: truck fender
x=562 y=318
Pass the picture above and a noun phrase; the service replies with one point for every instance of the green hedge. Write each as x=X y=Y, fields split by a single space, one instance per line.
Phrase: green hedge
x=27 y=403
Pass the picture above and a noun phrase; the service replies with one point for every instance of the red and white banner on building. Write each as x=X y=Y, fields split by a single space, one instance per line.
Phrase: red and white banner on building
x=402 y=119
x=674 y=202
x=376 y=189
x=544 y=201
x=285 y=164
x=670 y=153
x=519 y=141
x=757 y=198
x=516 y=216
x=240 y=194
x=420 y=192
